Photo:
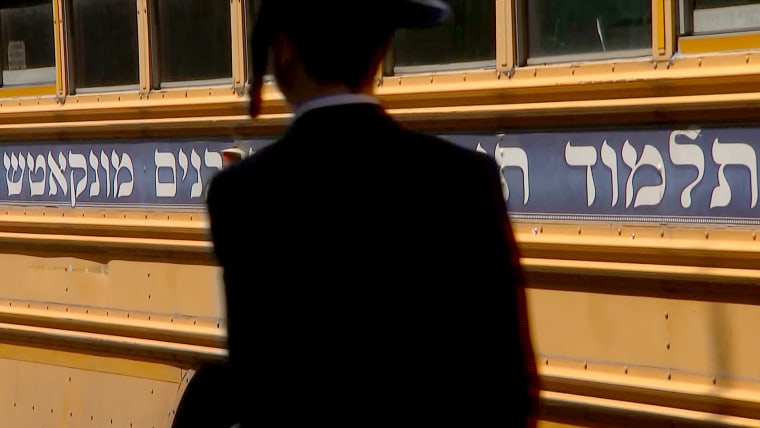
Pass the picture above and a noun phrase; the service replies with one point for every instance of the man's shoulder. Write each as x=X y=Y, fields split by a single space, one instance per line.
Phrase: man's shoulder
x=443 y=151
x=235 y=178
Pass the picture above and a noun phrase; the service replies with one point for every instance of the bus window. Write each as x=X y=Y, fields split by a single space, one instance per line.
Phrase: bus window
x=563 y=31
x=28 y=44
x=467 y=40
x=193 y=42
x=718 y=25
x=103 y=38
x=719 y=16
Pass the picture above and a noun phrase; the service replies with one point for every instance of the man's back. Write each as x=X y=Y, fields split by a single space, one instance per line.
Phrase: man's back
x=370 y=270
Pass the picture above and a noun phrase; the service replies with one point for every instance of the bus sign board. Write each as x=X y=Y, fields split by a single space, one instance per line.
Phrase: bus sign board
x=657 y=175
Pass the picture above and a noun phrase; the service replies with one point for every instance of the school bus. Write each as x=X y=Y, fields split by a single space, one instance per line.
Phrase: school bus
x=627 y=136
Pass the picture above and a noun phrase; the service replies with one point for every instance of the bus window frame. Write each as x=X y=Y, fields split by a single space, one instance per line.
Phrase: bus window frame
x=726 y=41
x=71 y=71
x=390 y=69
x=155 y=55
x=524 y=59
x=27 y=83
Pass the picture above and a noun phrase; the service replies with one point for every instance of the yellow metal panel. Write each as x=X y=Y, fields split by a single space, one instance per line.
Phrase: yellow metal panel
x=94 y=363
x=143 y=43
x=658 y=27
x=28 y=91
x=60 y=49
x=238 y=42
x=718 y=43
x=663 y=28
x=505 y=35
x=41 y=395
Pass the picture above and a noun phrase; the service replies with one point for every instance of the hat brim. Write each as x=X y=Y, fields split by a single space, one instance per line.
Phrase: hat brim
x=421 y=13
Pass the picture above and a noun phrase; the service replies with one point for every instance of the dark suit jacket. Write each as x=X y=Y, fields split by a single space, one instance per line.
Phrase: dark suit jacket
x=371 y=275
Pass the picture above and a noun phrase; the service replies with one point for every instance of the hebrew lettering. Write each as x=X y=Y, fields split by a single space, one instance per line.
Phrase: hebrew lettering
x=213 y=159
x=36 y=187
x=513 y=157
x=95 y=186
x=125 y=164
x=182 y=161
x=687 y=154
x=197 y=189
x=732 y=154
x=609 y=159
x=77 y=161
x=105 y=164
x=583 y=156
x=14 y=166
x=646 y=195
x=56 y=175
x=169 y=188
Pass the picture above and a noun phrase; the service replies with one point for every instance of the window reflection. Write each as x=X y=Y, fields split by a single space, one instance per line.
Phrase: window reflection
x=561 y=27
x=469 y=35
x=28 y=44
x=104 y=41
x=194 y=38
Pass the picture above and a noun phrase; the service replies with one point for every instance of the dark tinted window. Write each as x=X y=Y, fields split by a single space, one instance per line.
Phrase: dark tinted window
x=104 y=42
x=561 y=27
x=468 y=35
x=194 y=38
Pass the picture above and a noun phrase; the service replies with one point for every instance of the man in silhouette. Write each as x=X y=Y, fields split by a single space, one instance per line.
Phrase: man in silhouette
x=370 y=271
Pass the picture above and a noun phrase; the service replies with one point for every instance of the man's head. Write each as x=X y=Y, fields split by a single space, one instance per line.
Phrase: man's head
x=337 y=43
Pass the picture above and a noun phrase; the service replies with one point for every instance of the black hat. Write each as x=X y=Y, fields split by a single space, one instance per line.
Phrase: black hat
x=274 y=15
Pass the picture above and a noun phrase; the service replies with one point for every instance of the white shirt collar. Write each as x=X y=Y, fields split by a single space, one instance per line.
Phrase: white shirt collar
x=333 y=100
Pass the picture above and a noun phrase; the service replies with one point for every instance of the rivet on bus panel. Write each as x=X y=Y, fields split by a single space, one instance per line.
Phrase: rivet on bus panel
x=707 y=235
x=619 y=231
x=669 y=376
x=625 y=370
x=754 y=234
x=579 y=231
x=535 y=231
x=667 y=345
x=633 y=236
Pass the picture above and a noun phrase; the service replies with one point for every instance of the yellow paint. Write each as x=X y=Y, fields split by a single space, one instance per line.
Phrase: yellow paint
x=60 y=51
x=28 y=91
x=143 y=45
x=719 y=43
x=547 y=424
x=658 y=26
x=237 y=23
x=100 y=364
